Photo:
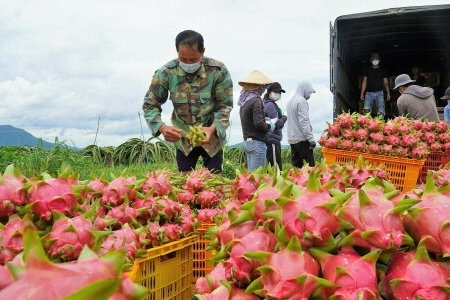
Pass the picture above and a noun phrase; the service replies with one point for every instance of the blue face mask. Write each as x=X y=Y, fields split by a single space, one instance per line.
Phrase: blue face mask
x=189 y=68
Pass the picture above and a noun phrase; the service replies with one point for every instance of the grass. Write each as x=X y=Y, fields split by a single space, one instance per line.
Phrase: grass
x=134 y=157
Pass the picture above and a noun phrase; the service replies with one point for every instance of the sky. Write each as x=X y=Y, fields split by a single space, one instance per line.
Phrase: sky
x=78 y=70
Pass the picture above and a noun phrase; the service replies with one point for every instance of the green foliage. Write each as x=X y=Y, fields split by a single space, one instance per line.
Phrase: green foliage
x=134 y=157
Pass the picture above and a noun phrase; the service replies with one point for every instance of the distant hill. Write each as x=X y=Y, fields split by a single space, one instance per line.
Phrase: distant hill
x=12 y=136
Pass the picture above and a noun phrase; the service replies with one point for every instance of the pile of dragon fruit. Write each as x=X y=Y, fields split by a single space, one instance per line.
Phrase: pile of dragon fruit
x=327 y=232
x=304 y=235
x=401 y=136
x=127 y=214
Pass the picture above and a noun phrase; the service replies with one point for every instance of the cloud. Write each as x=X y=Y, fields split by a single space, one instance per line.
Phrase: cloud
x=67 y=64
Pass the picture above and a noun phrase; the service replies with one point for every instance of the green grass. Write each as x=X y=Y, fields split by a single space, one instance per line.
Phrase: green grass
x=132 y=158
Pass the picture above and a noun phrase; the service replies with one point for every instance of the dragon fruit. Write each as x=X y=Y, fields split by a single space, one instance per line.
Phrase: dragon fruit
x=123 y=214
x=376 y=220
x=211 y=281
x=12 y=191
x=207 y=199
x=428 y=220
x=53 y=194
x=87 y=278
x=68 y=237
x=281 y=278
x=355 y=277
x=311 y=215
x=124 y=238
x=115 y=192
x=157 y=183
x=147 y=208
x=413 y=275
x=227 y=290
x=11 y=238
x=245 y=185
x=240 y=269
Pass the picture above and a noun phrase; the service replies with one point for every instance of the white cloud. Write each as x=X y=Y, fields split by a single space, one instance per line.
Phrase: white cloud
x=65 y=64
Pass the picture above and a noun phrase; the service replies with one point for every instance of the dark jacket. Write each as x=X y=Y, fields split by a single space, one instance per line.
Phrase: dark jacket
x=272 y=111
x=252 y=119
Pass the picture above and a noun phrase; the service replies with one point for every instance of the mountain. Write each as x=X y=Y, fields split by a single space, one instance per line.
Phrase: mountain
x=12 y=136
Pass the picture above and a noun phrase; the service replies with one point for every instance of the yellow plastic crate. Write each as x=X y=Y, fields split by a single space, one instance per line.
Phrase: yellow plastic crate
x=166 y=270
x=201 y=267
x=402 y=172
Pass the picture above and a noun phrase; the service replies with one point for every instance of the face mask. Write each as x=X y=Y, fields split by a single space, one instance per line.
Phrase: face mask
x=275 y=96
x=375 y=62
x=189 y=68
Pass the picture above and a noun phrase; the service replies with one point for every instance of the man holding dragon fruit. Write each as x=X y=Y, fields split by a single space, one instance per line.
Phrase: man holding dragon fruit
x=201 y=91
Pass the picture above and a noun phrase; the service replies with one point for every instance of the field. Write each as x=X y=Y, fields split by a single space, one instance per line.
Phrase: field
x=134 y=157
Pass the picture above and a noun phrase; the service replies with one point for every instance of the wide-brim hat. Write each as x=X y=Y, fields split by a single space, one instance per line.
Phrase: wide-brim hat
x=401 y=80
x=255 y=78
x=446 y=95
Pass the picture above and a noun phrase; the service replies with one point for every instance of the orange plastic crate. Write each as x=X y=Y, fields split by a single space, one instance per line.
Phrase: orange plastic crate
x=166 y=270
x=434 y=161
x=201 y=267
x=402 y=172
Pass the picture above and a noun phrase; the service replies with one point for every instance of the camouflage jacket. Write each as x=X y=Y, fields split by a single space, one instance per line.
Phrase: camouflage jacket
x=204 y=98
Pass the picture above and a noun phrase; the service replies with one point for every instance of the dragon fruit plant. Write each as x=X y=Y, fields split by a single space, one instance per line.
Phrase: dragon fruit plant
x=400 y=136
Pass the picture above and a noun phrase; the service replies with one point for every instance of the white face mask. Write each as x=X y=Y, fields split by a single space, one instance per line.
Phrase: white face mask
x=189 y=68
x=375 y=62
x=275 y=96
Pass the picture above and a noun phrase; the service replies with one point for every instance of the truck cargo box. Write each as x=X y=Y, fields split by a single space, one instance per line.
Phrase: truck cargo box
x=404 y=37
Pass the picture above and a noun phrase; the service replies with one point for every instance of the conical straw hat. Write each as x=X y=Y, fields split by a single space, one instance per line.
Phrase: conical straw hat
x=256 y=77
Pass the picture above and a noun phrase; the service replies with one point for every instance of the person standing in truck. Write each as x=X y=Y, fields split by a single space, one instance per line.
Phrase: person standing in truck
x=299 y=130
x=418 y=77
x=415 y=102
x=273 y=112
x=201 y=91
x=253 y=122
x=372 y=86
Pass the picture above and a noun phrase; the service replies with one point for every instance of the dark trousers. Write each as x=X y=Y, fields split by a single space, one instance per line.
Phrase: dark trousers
x=300 y=153
x=269 y=154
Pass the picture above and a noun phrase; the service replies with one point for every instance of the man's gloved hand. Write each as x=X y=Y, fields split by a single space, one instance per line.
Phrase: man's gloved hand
x=312 y=145
x=280 y=122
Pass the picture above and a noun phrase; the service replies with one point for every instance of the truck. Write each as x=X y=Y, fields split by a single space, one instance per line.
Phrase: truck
x=404 y=37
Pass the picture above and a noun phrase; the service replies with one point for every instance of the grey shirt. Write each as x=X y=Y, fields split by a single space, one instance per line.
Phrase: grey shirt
x=418 y=102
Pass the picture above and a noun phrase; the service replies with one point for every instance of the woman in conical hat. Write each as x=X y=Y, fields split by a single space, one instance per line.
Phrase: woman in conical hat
x=253 y=122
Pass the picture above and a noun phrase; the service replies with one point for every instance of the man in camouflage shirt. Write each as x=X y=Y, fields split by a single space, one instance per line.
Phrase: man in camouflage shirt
x=201 y=91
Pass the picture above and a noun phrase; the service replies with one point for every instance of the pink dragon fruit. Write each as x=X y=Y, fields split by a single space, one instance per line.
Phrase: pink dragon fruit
x=115 y=192
x=428 y=220
x=86 y=278
x=374 y=125
x=124 y=238
x=53 y=194
x=333 y=129
x=377 y=137
x=332 y=142
x=5 y=277
x=124 y=214
x=148 y=209
x=207 y=199
x=211 y=281
x=169 y=210
x=245 y=186
x=355 y=277
x=311 y=215
x=12 y=191
x=361 y=134
x=11 y=240
x=376 y=220
x=207 y=215
x=68 y=237
x=240 y=269
x=197 y=179
x=157 y=183
x=172 y=232
x=226 y=232
x=345 y=120
x=227 y=290
x=186 y=197
x=413 y=275
x=282 y=279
